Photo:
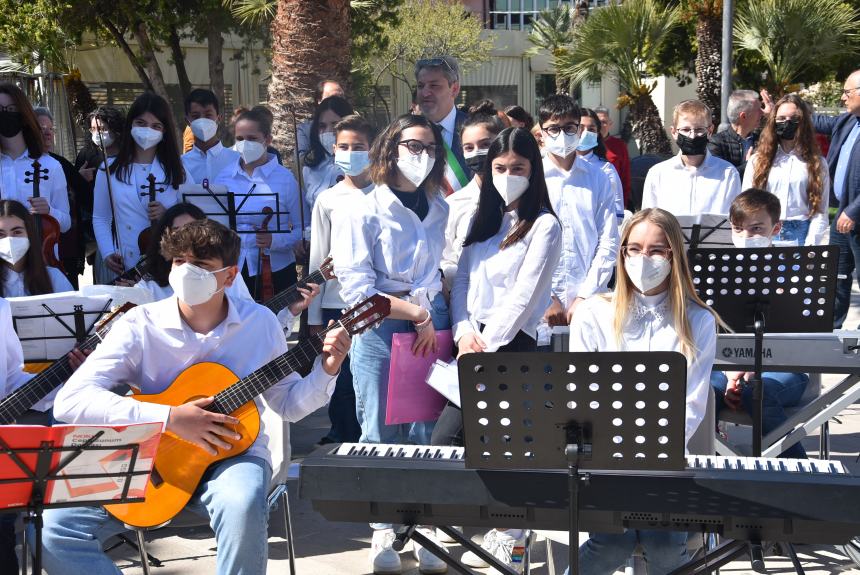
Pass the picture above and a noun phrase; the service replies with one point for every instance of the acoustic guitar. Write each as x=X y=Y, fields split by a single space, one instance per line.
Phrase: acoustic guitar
x=179 y=464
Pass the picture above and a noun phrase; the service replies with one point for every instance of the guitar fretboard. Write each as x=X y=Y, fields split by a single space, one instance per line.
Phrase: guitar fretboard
x=292 y=295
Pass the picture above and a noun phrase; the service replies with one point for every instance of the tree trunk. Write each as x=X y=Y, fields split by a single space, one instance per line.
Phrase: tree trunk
x=648 y=128
x=129 y=53
x=310 y=41
x=179 y=61
x=562 y=84
x=709 y=62
x=147 y=53
x=215 y=44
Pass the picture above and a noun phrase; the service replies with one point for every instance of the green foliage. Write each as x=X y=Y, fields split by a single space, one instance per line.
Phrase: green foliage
x=796 y=39
x=30 y=32
x=552 y=31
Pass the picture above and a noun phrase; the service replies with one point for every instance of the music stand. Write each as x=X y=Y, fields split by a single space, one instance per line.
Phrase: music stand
x=40 y=467
x=706 y=230
x=580 y=411
x=778 y=289
x=239 y=212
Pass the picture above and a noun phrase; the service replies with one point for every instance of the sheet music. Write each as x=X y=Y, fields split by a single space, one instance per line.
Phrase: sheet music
x=445 y=379
x=44 y=337
x=120 y=295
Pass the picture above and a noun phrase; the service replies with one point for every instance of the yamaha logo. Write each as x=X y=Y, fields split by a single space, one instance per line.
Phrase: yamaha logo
x=727 y=352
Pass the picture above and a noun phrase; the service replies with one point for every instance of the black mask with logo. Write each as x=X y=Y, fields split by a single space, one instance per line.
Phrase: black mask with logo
x=692 y=146
x=787 y=130
x=10 y=123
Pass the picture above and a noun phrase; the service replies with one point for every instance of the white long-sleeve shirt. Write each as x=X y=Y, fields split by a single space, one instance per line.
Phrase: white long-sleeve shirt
x=614 y=181
x=584 y=202
x=14 y=286
x=787 y=180
x=151 y=345
x=270 y=178
x=384 y=247
x=650 y=328
x=54 y=189
x=316 y=180
x=130 y=200
x=338 y=197
x=506 y=290
x=208 y=165
x=684 y=190
x=462 y=204
x=11 y=356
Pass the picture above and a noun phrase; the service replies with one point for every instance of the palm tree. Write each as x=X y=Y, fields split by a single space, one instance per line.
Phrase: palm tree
x=793 y=36
x=709 y=26
x=621 y=41
x=552 y=31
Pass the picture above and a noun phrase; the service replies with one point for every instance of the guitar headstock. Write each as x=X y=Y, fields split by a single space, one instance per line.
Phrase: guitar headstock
x=365 y=315
x=327 y=268
x=106 y=323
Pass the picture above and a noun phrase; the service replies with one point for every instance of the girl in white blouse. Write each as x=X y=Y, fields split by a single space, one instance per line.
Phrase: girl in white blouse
x=319 y=172
x=22 y=270
x=654 y=308
x=788 y=163
x=147 y=148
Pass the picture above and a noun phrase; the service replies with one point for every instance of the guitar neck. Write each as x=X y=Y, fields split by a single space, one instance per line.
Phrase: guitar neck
x=292 y=295
x=249 y=387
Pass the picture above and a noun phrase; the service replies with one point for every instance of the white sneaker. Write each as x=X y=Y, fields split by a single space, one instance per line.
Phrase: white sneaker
x=508 y=547
x=444 y=537
x=384 y=559
x=427 y=562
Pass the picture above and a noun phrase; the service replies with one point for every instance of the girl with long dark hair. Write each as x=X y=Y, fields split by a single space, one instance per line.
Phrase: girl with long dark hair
x=319 y=172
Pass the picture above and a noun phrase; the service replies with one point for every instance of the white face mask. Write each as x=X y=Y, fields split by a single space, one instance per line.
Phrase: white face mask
x=204 y=129
x=250 y=151
x=751 y=242
x=416 y=168
x=192 y=284
x=146 y=137
x=105 y=139
x=647 y=272
x=510 y=187
x=352 y=163
x=327 y=139
x=12 y=249
x=562 y=145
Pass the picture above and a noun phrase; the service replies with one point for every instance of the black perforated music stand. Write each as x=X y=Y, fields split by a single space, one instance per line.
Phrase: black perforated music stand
x=706 y=230
x=782 y=290
x=580 y=411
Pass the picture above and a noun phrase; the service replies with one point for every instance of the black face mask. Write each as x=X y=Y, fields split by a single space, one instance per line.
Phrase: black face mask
x=10 y=123
x=787 y=130
x=692 y=146
x=477 y=163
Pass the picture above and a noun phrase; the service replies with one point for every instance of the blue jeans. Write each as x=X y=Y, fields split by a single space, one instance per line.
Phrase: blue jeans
x=848 y=267
x=341 y=408
x=604 y=553
x=232 y=493
x=794 y=231
x=780 y=390
x=371 y=359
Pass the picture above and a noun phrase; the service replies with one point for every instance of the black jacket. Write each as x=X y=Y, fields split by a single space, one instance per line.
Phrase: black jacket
x=729 y=146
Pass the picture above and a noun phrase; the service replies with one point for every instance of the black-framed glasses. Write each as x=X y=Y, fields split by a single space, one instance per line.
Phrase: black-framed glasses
x=636 y=251
x=433 y=63
x=569 y=129
x=693 y=132
x=415 y=147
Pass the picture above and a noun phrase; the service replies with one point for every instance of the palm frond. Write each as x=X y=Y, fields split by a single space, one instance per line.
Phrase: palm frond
x=551 y=29
x=252 y=12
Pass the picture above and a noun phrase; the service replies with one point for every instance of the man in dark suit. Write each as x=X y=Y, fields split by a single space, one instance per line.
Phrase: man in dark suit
x=843 y=159
x=735 y=144
x=438 y=82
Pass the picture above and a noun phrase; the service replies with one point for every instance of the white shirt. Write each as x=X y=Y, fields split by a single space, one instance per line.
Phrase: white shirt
x=462 y=204
x=684 y=190
x=584 y=202
x=54 y=189
x=650 y=328
x=270 y=178
x=151 y=345
x=340 y=196
x=130 y=200
x=316 y=181
x=12 y=356
x=787 y=180
x=614 y=181
x=384 y=247
x=208 y=165
x=448 y=125
x=14 y=286
x=506 y=290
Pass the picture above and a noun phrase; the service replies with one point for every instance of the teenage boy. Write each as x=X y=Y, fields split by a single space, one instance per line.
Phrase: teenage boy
x=149 y=347
x=694 y=181
x=208 y=157
x=353 y=138
x=584 y=202
x=754 y=216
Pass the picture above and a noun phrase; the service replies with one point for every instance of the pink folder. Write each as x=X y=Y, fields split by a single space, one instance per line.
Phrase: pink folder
x=409 y=397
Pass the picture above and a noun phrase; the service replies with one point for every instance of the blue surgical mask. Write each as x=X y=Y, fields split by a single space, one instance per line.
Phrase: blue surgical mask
x=351 y=163
x=587 y=141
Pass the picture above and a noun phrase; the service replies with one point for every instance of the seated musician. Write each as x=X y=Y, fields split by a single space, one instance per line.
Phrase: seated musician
x=654 y=308
x=755 y=222
x=23 y=271
x=149 y=347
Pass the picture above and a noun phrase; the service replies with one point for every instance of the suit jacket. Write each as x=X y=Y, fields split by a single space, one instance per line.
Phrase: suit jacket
x=838 y=128
x=457 y=144
x=729 y=146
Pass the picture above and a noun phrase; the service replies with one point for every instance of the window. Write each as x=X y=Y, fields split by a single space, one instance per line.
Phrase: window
x=502 y=96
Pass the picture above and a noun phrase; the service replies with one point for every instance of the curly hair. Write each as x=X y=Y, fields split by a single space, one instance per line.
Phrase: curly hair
x=203 y=239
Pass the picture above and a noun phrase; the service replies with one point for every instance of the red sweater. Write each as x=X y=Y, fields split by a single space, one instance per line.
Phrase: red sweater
x=616 y=153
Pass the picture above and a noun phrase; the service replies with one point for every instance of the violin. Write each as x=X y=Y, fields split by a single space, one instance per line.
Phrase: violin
x=152 y=189
x=264 y=263
x=47 y=227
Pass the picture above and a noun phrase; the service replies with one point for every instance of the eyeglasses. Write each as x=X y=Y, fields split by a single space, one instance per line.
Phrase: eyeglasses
x=636 y=251
x=9 y=108
x=694 y=132
x=415 y=147
x=569 y=129
x=847 y=92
